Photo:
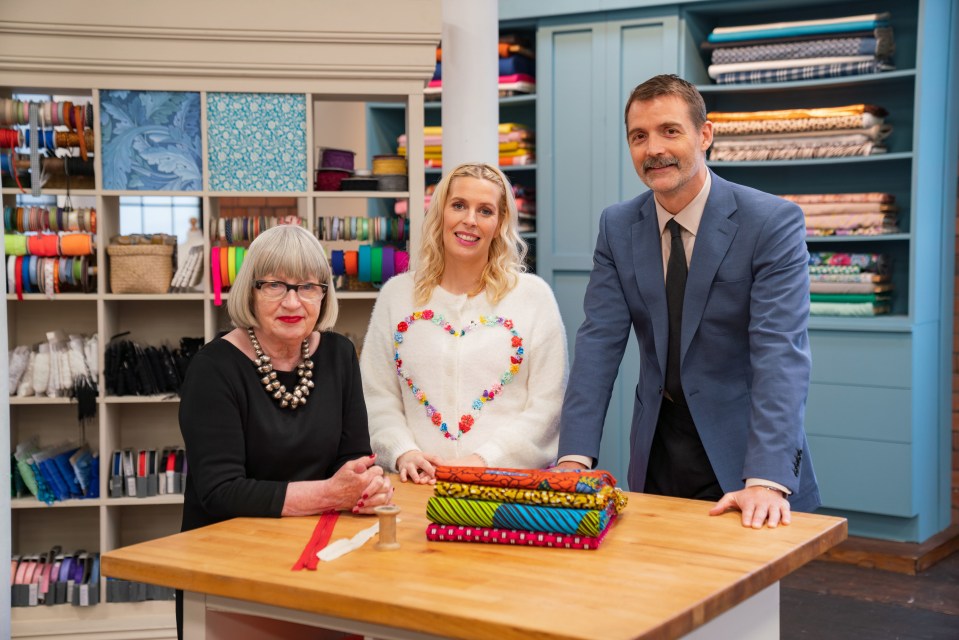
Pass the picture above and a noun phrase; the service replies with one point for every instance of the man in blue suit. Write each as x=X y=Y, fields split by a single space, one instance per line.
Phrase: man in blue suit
x=713 y=279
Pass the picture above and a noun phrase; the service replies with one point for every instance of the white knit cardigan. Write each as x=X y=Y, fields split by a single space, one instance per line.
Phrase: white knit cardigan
x=519 y=427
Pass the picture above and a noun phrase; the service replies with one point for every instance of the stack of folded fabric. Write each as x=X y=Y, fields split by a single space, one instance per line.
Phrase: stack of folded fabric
x=848 y=214
x=795 y=134
x=525 y=197
x=570 y=509
x=800 y=50
x=849 y=284
x=517 y=69
x=517 y=145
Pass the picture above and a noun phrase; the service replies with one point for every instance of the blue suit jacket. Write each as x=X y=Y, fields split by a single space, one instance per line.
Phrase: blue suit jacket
x=745 y=360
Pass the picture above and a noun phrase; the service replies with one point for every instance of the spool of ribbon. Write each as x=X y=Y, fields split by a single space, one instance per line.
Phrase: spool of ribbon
x=389 y=262
x=401 y=261
x=351 y=261
x=365 y=263
x=215 y=273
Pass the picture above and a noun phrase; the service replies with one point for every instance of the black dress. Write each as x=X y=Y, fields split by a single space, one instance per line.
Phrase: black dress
x=242 y=449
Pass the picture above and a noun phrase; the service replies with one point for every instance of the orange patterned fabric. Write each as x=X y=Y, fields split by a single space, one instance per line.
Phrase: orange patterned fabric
x=568 y=480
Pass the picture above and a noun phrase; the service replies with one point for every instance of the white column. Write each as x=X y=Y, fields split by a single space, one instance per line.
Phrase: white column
x=470 y=73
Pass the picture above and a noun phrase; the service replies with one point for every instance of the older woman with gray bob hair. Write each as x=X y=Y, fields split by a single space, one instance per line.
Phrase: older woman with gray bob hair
x=272 y=413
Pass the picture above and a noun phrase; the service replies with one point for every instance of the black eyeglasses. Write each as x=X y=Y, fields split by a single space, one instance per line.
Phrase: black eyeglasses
x=276 y=290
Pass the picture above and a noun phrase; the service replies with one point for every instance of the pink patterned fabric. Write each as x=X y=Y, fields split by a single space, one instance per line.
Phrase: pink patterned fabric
x=457 y=533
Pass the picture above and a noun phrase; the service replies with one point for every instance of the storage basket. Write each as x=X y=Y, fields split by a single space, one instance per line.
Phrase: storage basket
x=336 y=158
x=140 y=268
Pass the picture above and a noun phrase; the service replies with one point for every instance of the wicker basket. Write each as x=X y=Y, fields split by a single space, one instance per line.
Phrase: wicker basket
x=140 y=268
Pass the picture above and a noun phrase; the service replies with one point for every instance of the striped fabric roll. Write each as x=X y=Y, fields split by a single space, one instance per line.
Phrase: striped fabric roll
x=481 y=513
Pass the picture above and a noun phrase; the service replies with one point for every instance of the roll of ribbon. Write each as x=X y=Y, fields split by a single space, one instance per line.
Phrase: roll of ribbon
x=18 y=277
x=351 y=260
x=224 y=268
x=376 y=264
x=365 y=263
x=401 y=261
x=25 y=274
x=215 y=273
x=240 y=257
x=34 y=261
x=15 y=245
x=231 y=264
x=389 y=266
x=76 y=244
x=337 y=263
x=11 y=274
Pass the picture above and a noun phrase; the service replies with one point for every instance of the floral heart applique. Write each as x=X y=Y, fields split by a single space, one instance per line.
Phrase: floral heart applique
x=467 y=419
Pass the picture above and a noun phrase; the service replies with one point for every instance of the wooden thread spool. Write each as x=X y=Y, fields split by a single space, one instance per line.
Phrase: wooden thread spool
x=387 y=514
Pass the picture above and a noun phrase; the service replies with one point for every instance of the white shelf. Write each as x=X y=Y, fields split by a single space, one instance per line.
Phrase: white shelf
x=158 y=399
x=361 y=194
x=153 y=619
x=39 y=400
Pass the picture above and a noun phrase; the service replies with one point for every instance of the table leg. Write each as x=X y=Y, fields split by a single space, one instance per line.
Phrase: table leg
x=754 y=619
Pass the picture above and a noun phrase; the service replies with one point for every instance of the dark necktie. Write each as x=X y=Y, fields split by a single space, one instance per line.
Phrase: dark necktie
x=675 y=289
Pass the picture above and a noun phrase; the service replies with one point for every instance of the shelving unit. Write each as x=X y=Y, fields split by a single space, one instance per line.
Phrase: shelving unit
x=876 y=403
x=393 y=64
x=879 y=412
x=385 y=123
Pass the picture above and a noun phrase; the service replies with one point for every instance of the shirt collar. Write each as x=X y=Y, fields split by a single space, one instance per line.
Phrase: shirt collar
x=690 y=215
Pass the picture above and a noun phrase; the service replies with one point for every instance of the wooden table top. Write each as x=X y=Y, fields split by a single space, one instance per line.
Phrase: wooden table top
x=665 y=568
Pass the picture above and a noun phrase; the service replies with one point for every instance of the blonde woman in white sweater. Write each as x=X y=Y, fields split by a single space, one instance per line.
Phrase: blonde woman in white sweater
x=465 y=359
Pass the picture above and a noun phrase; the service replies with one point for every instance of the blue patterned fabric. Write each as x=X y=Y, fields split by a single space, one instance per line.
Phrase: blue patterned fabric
x=257 y=141
x=151 y=140
x=813 y=72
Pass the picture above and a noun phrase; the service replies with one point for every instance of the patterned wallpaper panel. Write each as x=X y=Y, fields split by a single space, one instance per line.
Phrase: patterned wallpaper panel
x=257 y=141
x=151 y=140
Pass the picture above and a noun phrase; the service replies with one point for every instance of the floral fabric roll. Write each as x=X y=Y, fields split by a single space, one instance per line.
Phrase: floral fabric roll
x=539 y=479
x=560 y=499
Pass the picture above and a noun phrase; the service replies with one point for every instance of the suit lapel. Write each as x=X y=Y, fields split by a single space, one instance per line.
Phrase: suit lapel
x=716 y=233
x=648 y=260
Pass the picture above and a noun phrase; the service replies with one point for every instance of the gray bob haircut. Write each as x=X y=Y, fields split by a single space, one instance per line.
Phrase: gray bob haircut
x=287 y=250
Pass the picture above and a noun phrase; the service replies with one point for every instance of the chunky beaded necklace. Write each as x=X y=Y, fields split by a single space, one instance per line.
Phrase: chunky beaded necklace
x=304 y=370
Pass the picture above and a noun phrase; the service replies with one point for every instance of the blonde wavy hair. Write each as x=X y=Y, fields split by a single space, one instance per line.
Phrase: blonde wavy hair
x=507 y=250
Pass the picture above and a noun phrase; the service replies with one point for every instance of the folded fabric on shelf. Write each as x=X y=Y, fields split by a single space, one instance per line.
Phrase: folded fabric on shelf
x=800 y=28
x=805 y=72
x=878 y=44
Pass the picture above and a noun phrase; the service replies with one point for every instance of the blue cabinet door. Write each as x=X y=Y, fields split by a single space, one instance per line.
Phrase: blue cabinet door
x=585 y=73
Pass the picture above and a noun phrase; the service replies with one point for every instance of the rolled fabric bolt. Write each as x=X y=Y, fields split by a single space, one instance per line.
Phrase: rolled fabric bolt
x=387 y=514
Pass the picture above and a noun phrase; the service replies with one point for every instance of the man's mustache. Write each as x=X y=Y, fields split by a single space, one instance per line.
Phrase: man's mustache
x=660 y=163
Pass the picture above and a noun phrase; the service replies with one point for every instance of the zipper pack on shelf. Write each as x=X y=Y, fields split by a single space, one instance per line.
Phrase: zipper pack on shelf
x=54 y=577
x=145 y=473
